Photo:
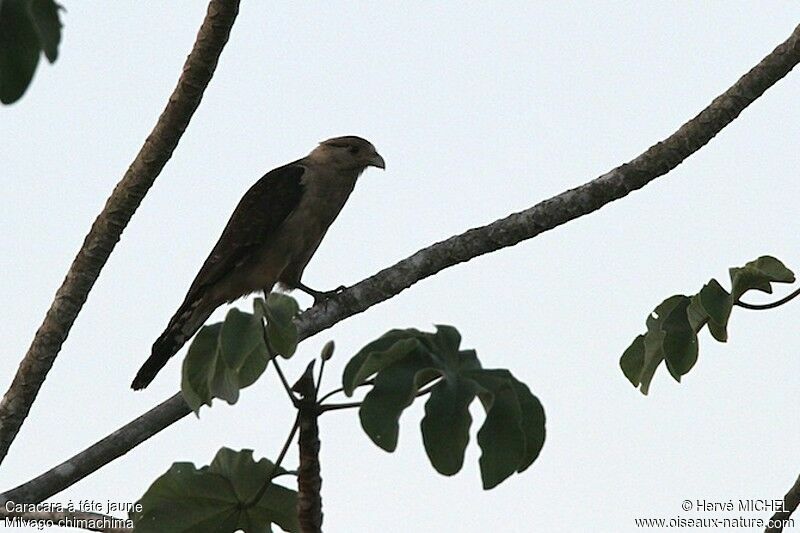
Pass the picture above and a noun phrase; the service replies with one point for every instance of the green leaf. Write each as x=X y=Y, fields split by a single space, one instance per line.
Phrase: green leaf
x=501 y=437
x=19 y=50
x=717 y=304
x=242 y=334
x=223 y=359
x=199 y=365
x=758 y=275
x=698 y=317
x=377 y=355
x=44 y=16
x=26 y=28
x=445 y=428
x=632 y=361
x=393 y=391
x=654 y=339
x=680 y=340
x=281 y=310
x=533 y=423
x=448 y=339
x=219 y=497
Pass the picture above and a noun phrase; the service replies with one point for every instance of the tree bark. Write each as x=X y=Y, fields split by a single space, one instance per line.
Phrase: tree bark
x=108 y=227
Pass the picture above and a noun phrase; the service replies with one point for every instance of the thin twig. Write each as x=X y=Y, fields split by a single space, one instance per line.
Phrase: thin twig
x=772 y=305
x=108 y=227
x=544 y=216
x=790 y=503
x=341 y=389
x=285 y=383
x=275 y=470
x=351 y=405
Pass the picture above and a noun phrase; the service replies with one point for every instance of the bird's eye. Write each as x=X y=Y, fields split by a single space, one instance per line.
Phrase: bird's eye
x=353 y=150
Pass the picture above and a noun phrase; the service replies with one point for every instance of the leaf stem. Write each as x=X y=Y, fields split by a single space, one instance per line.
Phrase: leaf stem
x=276 y=468
x=285 y=383
x=772 y=305
x=341 y=389
x=350 y=405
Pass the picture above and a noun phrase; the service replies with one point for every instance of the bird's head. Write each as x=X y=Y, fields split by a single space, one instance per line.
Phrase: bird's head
x=348 y=153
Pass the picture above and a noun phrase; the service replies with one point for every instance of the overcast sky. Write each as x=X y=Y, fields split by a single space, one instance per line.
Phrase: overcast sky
x=480 y=110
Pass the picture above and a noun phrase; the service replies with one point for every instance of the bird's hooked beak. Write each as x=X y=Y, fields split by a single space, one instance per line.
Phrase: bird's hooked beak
x=377 y=161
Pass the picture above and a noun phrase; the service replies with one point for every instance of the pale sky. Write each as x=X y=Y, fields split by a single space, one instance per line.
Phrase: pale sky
x=480 y=110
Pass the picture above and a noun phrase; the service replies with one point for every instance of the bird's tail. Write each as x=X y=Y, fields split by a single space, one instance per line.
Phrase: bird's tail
x=185 y=323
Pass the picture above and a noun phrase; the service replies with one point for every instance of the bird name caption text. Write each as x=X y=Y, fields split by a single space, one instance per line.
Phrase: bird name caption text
x=81 y=506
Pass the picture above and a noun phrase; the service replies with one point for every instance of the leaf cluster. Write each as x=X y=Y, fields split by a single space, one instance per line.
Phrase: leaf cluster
x=404 y=361
x=229 y=356
x=673 y=327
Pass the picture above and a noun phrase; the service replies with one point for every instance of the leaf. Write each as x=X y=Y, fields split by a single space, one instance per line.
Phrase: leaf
x=281 y=310
x=218 y=497
x=377 y=355
x=393 y=391
x=758 y=275
x=533 y=423
x=241 y=335
x=224 y=358
x=717 y=304
x=44 y=16
x=654 y=339
x=445 y=428
x=501 y=437
x=26 y=28
x=680 y=340
x=404 y=360
x=19 y=50
x=697 y=315
x=632 y=361
x=199 y=365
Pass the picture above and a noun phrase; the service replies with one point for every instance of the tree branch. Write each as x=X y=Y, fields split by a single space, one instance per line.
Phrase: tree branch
x=77 y=519
x=790 y=503
x=99 y=454
x=656 y=161
x=108 y=227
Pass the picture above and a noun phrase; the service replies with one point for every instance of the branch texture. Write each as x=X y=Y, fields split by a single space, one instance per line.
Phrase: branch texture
x=790 y=503
x=108 y=227
x=656 y=161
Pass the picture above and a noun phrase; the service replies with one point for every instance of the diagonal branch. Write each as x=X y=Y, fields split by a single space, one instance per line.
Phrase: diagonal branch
x=108 y=227
x=656 y=161
x=790 y=503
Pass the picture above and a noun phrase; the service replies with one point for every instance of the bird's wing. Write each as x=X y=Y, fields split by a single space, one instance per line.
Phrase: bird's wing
x=260 y=212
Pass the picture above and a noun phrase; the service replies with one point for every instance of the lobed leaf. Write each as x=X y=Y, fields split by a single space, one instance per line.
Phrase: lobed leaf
x=218 y=497
x=402 y=361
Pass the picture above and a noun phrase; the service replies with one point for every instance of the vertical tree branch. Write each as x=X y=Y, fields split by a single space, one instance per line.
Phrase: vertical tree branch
x=309 y=482
x=119 y=208
x=790 y=503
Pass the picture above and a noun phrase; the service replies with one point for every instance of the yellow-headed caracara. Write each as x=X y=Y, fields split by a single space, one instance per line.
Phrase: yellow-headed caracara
x=270 y=238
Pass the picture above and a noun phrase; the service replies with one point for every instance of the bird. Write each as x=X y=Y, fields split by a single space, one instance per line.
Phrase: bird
x=269 y=239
